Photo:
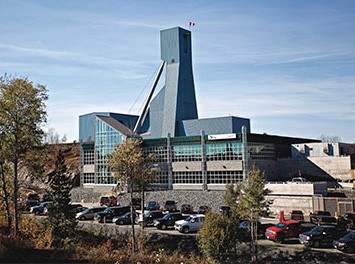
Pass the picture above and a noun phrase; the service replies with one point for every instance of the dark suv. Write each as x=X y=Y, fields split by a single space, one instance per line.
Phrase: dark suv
x=110 y=212
x=347 y=220
x=322 y=235
x=170 y=206
x=108 y=200
x=149 y=217
x=322 y=217
x=168 y=220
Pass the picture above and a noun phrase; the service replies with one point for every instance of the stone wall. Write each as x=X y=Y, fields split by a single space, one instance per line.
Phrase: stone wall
x=214 y=199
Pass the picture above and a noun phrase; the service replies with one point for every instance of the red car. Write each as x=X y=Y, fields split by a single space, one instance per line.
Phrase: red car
x=297 y=215
x=108 y=200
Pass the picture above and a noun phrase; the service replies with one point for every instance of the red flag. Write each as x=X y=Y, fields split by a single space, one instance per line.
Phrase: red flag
x=191 y=24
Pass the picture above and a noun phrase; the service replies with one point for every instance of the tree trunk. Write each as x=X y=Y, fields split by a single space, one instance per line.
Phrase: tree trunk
x=6 y=197
x=16 y=218
x=132 y=222
x=142 y=205
x=253 y=232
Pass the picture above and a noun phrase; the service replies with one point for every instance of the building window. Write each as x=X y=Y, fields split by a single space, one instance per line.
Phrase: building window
x=160 y=152
x=89 y=178
x=89 y=157
x=260 y=151
x=194 y=177
x=224 y=151
x=106 y=138
x=187 y=153
x=224 y=177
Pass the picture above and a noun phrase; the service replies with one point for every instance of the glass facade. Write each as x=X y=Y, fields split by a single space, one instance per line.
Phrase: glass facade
x=105 y=140
x=224 y=151
x=187 y=152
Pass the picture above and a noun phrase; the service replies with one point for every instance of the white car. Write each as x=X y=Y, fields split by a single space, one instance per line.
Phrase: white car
x=190 y=224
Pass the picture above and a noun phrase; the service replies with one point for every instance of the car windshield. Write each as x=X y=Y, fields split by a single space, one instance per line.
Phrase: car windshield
x=167 y=216
x=189 y=219
x=317 y=230
x=280 y=225
x=108 y=210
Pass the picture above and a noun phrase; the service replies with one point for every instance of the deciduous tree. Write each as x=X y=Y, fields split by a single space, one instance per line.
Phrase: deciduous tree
x=22 y=114
x=133 y=168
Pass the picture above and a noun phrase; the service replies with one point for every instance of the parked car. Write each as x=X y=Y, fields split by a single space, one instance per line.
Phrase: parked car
x=261 y=228
x=89 y=213
x=137 y=203
x=31 y=203
x=190 y=224
x=323 y=235
x=170 y=206
x=186 y=209
x=32 y=196
x=72 y=209
x=347 y=220
x=203 y=209
x=108 y=200
x=346 y=243
x=124 y=219
x=152 y=205
x=287 y=230
x=39 y=209
x=168 y=220
x=297 y=215
x=299 y=180
x=149 y=217
x=322 y=217
x=110 y=212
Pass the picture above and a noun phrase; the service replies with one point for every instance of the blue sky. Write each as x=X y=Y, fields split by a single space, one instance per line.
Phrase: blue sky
x=289 y=66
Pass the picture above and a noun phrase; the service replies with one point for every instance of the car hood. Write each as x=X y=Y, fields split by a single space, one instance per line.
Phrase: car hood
x=274 y=228
x=308 y=233
x=37 y=207
x=180 y=222
x=344 y=240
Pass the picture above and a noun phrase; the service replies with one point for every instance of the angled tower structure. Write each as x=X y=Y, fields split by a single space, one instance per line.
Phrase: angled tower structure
x=176 y=101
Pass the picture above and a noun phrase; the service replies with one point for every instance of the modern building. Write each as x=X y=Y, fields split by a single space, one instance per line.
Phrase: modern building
x=193 y=153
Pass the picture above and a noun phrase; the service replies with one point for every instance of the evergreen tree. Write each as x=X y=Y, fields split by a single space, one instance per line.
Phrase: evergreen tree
x=252 y=204
x=220 y=238
x=59 y=215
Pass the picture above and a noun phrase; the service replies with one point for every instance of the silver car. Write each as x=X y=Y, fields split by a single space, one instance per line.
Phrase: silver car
x=89 y=213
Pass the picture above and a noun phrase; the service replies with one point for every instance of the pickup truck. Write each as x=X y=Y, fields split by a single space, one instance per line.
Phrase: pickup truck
x=287 y=229
x=322 y=217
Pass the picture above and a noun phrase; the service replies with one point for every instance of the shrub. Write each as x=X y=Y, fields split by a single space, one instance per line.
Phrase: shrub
x=219 y=239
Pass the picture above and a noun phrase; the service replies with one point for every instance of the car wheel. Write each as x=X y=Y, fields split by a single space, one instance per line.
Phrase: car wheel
x=36 y=212
x=316 y=244
x=81 y=218
x=185 y=229
x=280 y=239
x=163 y=227
x=121 y=222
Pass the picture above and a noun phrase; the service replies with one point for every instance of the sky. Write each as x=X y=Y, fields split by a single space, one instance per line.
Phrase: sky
x=289 y=66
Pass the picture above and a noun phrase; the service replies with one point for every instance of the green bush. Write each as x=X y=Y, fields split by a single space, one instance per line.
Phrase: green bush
x=220 y=239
